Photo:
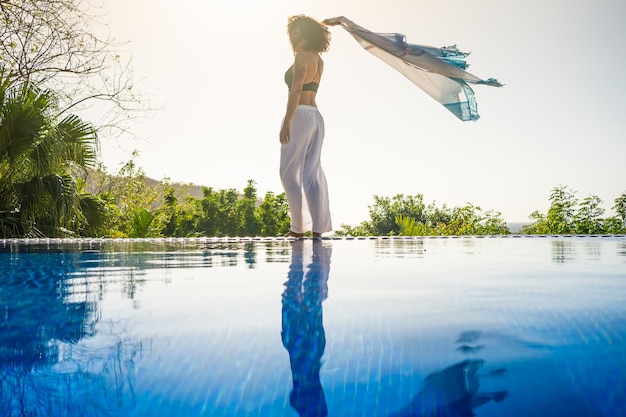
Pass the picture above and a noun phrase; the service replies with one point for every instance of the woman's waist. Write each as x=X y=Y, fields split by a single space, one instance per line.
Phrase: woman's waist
x=307 y=107
x=306 y=100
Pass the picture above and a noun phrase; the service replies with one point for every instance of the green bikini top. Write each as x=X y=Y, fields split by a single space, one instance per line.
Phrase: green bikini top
x=312 y=86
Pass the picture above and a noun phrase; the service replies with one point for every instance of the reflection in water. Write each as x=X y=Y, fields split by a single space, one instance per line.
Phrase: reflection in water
x=38 y=306
x=250 y=255
x=395 y=248
x=45 y=312
x=70 y=345
x=564 y=251
x=454 y=391
x=302 y=327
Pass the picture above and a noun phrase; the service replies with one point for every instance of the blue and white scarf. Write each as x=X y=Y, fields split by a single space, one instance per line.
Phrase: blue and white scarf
x=440 y=72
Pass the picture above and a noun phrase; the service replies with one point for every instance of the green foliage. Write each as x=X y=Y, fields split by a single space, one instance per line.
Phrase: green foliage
x=588 y=219
x=141 y=224
x=362 y=229
x=274 y=215
x=136 y=209
x=618 y=222
x=226 y=213
x=493 y=223
x=219 y=212
x=249 y=224
x=538 y=226
x=39 y=195
x=385 y=210
x=560 y=218
x=410 y=227
x=567 y=216
x=561 y=212
x=409 y=216
x=125 y=195
x=91 y=219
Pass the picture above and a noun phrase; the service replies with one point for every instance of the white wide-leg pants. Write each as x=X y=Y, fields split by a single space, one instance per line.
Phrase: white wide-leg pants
x=302 y=175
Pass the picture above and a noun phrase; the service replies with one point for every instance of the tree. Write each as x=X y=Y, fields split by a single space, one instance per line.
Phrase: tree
x=126 y=195
x=494 y=224
x=566 y=216
x=465 y=221
x=538 y=226
x=411 y=217
x=438 y=216
x=38 y=193
x=170 y=213
x=385 y=210
x=617 y=224
x=53 y=45
x=620 y=209
x=219 y=214
x=273 y=214
x=561 y=216
x=460 y=221
x=189 y=217
x=560 y=219
x=588 y=219
x=249 y=224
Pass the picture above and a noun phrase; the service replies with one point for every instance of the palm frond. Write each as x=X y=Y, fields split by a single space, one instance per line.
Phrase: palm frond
x=142 y=219
x=94 y=210
x=80 y=141
x=48 y=199
x=37 y=153
x=21 y=124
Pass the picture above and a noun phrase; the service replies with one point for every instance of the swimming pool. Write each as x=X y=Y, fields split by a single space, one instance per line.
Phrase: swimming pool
x=503 y=326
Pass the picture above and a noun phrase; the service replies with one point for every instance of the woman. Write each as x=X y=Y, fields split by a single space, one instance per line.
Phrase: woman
x=302 y=132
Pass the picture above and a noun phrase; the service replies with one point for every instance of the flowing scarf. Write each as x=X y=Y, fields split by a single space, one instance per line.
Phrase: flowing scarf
x=440 y=72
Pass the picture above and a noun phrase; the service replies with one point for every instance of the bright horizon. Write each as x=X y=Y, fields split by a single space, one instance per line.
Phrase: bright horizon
x=215 y=68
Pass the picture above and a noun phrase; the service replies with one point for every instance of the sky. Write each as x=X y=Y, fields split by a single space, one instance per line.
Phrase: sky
x=214 y=70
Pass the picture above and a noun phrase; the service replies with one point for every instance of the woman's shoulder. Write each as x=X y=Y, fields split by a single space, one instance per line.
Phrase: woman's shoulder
x=306 y=57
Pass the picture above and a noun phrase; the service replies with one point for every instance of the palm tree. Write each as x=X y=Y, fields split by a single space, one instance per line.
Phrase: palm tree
x=38 y=194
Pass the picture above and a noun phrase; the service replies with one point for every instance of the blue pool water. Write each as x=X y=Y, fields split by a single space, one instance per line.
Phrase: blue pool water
x=348 y=327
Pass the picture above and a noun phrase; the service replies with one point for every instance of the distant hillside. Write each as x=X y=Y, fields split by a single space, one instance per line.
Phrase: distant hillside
x=194 y=190
x=98 y=181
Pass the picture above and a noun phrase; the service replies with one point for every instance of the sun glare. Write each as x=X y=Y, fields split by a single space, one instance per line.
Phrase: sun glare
x=239 y=5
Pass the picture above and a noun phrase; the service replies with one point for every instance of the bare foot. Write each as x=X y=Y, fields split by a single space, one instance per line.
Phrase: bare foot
x=317 y=235
x=294 y=234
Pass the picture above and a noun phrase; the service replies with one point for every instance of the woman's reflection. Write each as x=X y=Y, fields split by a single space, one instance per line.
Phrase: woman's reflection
x=454 y=391
x=302 y=328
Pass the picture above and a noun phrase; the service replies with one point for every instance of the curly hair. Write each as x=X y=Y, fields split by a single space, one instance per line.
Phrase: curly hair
x=316 y=33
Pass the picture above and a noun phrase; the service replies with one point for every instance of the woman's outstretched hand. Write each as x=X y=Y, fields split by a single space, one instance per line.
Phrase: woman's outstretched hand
x=334 y=21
